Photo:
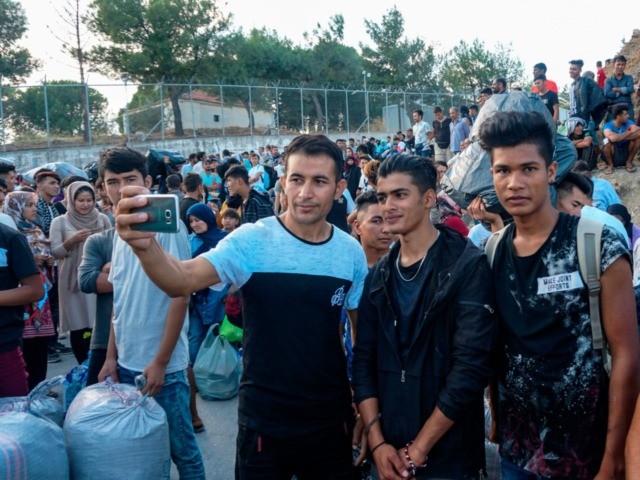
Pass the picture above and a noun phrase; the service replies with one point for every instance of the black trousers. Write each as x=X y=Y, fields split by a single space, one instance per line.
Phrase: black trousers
x=35 y=353
x=325 y=455
x=80 y=343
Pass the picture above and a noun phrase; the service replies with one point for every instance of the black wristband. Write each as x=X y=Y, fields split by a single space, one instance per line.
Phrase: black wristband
x=378 y=445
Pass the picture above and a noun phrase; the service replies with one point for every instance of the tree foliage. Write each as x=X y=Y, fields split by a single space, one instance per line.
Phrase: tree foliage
x=25 y=109
x=15 y=62
x=394 y=60
x=156 y=41
x=470 y=67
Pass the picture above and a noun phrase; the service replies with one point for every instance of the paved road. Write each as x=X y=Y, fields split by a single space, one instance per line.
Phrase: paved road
x=217 y=442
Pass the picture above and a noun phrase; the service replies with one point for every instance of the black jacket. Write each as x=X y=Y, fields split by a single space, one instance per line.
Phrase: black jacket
x=449 y=362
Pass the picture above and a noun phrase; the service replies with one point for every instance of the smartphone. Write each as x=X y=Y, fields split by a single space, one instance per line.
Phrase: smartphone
x=163 y=214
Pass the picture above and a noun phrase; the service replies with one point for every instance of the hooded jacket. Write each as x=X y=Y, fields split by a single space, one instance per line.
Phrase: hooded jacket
x=449 y=362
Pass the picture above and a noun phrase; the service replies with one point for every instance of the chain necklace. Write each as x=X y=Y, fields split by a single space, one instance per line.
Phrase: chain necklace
x=421 y=262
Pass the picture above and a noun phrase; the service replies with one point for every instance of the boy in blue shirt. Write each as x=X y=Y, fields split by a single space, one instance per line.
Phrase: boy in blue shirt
x=623 y=137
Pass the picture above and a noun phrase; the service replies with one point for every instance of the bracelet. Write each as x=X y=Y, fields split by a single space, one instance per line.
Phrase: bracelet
x=412 y=466
x=372 y=423
x=378 y=445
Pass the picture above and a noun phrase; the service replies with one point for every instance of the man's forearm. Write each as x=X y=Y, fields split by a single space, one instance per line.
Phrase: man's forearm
x=165 y=271
x=173 y=326
x=368 y=410
x=633 y=446
x=623 y=392
x=112 y=350
x=434 y=428
x=103 y=285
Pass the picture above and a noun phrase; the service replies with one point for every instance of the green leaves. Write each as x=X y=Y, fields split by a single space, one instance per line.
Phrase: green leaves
x=15 y=62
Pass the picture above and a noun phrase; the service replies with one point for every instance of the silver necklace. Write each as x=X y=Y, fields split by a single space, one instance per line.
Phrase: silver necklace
x=419 y=266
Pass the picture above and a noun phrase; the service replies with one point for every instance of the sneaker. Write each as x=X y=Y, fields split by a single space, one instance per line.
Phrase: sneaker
x=61 y=349
x=63 y=336
x=54 y=358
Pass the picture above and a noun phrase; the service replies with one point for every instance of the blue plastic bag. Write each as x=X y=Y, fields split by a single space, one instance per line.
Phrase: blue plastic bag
x=217 y=369
x=38 y=402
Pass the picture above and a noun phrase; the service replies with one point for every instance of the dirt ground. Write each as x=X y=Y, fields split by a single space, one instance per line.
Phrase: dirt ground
x=627 y=185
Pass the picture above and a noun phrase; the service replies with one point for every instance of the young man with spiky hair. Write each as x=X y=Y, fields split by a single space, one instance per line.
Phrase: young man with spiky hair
x=558 y=415
x=295 y=411
x=425 y=337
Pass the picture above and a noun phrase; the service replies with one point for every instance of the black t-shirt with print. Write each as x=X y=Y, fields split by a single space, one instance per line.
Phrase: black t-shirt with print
x=16 y=263
x=550 y=99
x=442 y=132
x=553 y=392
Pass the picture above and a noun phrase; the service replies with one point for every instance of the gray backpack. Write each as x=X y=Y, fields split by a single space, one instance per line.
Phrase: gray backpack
x=589 y=236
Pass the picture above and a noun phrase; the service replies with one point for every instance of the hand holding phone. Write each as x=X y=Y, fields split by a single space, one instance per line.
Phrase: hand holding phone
x=162 y=214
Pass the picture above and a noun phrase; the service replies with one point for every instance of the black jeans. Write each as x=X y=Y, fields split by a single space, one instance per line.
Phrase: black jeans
x=324 y=455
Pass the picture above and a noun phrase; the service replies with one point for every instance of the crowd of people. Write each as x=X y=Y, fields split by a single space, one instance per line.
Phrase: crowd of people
x=375 y=329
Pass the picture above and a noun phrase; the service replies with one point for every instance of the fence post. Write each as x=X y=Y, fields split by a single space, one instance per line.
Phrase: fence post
x=193 y=115
x=346 y=103
x=46 y=111
x=162 y=113
x=250 y=113
x=301 y=112
x=386 y=107
x=222 y=109
x=127 y=126
x=326 y=113
x=86 y=99
x=277 y=110
x=4 y=143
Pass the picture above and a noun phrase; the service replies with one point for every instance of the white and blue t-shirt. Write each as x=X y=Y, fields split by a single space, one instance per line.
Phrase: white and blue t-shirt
x=295 y=375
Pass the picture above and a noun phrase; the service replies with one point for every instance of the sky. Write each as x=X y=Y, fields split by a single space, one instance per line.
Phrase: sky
x=553 y=33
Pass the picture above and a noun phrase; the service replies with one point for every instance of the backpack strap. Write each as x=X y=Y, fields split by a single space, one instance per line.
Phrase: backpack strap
x=589 y=241
x=492 y=245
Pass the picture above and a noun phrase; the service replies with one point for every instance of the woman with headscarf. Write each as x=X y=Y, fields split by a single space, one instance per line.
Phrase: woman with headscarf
x=621 y=213
x=206 y=306
x=38 y=326
x=352 y=174
x=68 y=234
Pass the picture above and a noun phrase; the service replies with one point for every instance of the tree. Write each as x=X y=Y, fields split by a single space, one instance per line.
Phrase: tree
x=395 y=60
x=73 y=36
x=466 y=68
x=15 y=62
x=26 y=110
x=159 y=41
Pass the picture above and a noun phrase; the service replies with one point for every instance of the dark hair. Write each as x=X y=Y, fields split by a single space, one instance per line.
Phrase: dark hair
x=598 y=63
x=419 y=112
x=473 y=106
x=316 y=145
x=582 y=168
x=420 y=169
x=122 y=159
x=199 y=155
x=619 y=109
x=464 y=110
x=437 y=109
x=191 y=182
x=508 y=129
x=85 y=189
x=352 y=139
x=540 y=76
x=3 y=183
x=486 y=91
x=226 y=153
x=7 y=167
x=501 y=81
x=579 y=63
x=230 y=212
x=192 y=155
x=575 y=180
x=540 y=66
x=173 y=181
x=363 y=149
x=27 y=189
x=365 y=199
x=238 y=171
x=441 y=163
x=71 y=179
x=619 y=58
x=44 y=173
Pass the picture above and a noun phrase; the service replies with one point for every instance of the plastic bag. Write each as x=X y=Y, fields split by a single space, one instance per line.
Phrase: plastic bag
x=217 y=369
x=470 y=175
x=31 y=448
x=63 y=169
x=112 y=431
x=75 y=381
x=38 y=402
x=230 y=331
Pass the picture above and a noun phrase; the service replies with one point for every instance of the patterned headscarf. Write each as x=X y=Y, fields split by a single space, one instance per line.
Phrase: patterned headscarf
x=14 y=205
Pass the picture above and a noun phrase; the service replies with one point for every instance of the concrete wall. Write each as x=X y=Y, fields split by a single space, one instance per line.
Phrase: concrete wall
x=80 y=156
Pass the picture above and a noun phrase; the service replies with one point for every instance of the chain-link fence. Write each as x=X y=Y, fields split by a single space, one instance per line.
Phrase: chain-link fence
x=60 y=114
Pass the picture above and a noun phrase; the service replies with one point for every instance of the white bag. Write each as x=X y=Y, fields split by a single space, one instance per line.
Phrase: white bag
x=113 y=431
x=217 y=369
x=38 y=402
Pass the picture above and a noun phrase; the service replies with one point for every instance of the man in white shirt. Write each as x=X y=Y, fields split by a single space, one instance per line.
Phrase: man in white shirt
x=421 y=130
